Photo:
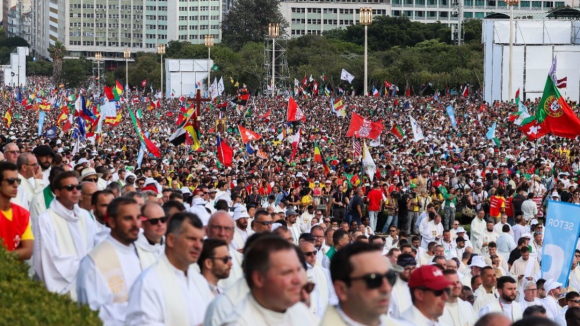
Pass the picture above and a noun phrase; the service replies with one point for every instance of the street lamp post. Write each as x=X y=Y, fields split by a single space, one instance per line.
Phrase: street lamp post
x=366 y=18
x=273 y=32
x=209 y=42
x=127 y=55
x=98 y=58
x=511 y=3
x=161 y=51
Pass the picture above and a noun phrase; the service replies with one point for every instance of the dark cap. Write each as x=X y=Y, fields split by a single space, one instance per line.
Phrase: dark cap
x=43 y=150
x=307 y=237
x=459 y=239
x=405 y=260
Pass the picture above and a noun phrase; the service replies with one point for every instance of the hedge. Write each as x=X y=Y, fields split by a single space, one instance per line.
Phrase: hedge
x=27 y=302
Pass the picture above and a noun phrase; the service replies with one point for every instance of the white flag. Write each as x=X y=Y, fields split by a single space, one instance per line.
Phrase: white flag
x=296 y=82
x=417 y=132
x=345 y=75
x=375 y=142
x=220 y=86
x=368 y=164
x=214 y=89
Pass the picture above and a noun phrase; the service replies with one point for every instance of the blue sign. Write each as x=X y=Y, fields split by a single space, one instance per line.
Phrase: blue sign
x=451 y=114
x=560 y=237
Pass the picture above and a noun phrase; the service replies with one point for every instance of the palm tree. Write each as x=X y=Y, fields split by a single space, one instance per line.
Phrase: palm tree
x=57 y=52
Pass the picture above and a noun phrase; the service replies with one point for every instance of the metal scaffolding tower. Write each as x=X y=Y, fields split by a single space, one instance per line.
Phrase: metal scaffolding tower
x=275 y=53
x=456 y=30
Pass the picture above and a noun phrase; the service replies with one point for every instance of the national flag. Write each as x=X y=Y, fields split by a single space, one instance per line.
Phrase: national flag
x=156 y=104
x=61 y=118
x=387 y=84
x=356 y=148
x=294 y=112
x=375 y=91
x=151 y=147
x=338 y=105
x=326 y=91
x=554 y=113
x=397 y=131
x=318 y=157
x=8 y=118
x=114 y=121
x=248 y=112
x=345 y=75
x=224 y=152
x=81 y=109
x=417 y=131
x=304 y=81
x=67 y=126
x=266 y=115
x=518 y=97
x=250 y=149
x=248 y=135
x=282 y=135
x=451 y=114
x=533 y=130
x=261 y=154
x=109 y=93
x=562 y=83
x=364 y=128
x=44 y=105
x=295 y=144
x=491 y=134
x=465 y=92
x=144 y=83
x=118 y=90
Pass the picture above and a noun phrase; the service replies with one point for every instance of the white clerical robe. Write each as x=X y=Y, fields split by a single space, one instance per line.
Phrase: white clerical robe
x=513 y=310
x=103 y=231
x=30 y=186
x=37 y=205
x=236 y=271
x=250 y=313
x=574 y=280
x=155 y=249
x=552 y=307
x=63 y=239
x=295 y=231
x=448 y=249
x=498 y=227
x=105 y=277
x=400 y=298
x=487 y=238
x=222 y=306
x=524 y=304
x=519 y=268
x=414 y=317
x=477 y=228
x=483 y=298
x=240 y=237
x=165 y=295
x=430 y=232
x=459 y=313
x=323 y=294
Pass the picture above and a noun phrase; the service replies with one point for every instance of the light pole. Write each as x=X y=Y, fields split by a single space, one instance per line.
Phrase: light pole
x=161 y=50
x=511 y=3
x=209 y=43
x=127 y=55
x=366 y=18
x=98 y=58
x=273 y=32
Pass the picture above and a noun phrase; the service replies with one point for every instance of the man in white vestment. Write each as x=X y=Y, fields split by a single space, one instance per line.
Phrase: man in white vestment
x=572 y=301
x=505 y=243
x=363 y=280
x=530 y=297
x=520 y=268
x=550 y=302
x=221 y=226
x=107 y=273
x=100 y=200
x=152 y=237
x=293 y=227
x=323 y=294
x=430 y=291
x=488 y=237
x=276 y=278
x=498 y=227
x=318 y=234
x=457 y=312
x=478 y=226
x=215 y=264
x=42 y=200
x=432 y=231
x=574 y=278
x=64 y=234
x=242 y=232
x=171 y=292
x=30 y=175
x=486 y=291
x=506 y=304
x=44 y=154
x=198 y=208
x=400 y=295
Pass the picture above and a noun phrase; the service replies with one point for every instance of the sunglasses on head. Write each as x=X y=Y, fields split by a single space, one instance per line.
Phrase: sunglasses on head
x=71 y=187
x=375 y=280
x=437 y=293
x=11 y=181
x=154 y=221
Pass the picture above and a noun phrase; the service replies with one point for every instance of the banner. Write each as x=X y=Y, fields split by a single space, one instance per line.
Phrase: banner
x=364 y=128
x=417 y=131
x=560 y=237
x=40 y=122
x=109 y=110
x=451 y=114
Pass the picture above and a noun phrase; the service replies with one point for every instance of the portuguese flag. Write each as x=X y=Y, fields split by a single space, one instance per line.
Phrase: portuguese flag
x=148 y=143
x=397 y=131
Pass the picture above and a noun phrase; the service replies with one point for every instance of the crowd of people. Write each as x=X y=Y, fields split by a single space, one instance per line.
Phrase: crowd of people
x=448 y=231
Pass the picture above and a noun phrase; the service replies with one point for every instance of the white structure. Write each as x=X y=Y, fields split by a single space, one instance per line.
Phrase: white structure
x=536 y=43
x=15 y=74
x=185 y=76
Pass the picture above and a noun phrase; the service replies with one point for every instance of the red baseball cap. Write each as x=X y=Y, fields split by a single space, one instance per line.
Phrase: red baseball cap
x=428 y=276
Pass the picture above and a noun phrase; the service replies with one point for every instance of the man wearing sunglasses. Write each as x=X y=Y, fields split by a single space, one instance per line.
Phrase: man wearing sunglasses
x=215 y=264
x=430 y=290
x=221 y=226
x=362 y=280
x=65 y=235
x=323 y=293
x=107 y=273
x=154 y=225
x=572 y=301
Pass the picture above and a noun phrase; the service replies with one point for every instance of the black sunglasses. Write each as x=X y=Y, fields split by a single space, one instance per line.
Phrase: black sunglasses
x=72 y=187
x=91 y=180
x=11 y=181
x=225 y=260
x=310 y=253
x=154 y=221
x=264 y=223
x=374 y=280
x=437 y=293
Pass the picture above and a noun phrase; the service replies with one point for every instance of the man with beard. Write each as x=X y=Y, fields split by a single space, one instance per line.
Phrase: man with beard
x=166 y=292
x=44 y=154
x=100 y=200
x=507 y=290
x=107 y=273
x=215 y=263
x=241 y=233
x=457 y=312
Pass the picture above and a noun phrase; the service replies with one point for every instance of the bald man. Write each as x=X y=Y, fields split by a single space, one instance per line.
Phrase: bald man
x=89 y=188
x=221 y=226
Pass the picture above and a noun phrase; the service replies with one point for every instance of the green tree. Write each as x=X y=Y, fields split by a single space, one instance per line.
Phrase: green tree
x=74 y=72
x=39 y=67
x=248 y=21
x=57 y=52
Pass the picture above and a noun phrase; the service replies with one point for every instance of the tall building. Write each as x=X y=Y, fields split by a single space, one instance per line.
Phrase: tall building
x=317 y=16
x=111 y=26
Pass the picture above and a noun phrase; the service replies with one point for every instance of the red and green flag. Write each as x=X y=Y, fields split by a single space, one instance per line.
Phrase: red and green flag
x=397 y=131
x=148 y=143
x=118 y=90
x=318 y=157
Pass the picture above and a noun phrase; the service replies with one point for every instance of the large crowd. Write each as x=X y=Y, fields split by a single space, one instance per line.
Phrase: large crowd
x=448 y=231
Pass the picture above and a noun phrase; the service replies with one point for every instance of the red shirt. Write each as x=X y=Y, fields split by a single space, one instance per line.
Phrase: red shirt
x=12 y=231
x=375 y=196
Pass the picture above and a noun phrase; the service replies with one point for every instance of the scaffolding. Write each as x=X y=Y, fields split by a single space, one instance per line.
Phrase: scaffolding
x=275 y=48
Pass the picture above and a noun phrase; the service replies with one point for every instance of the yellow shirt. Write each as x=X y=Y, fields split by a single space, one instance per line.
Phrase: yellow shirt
x=27 y=235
